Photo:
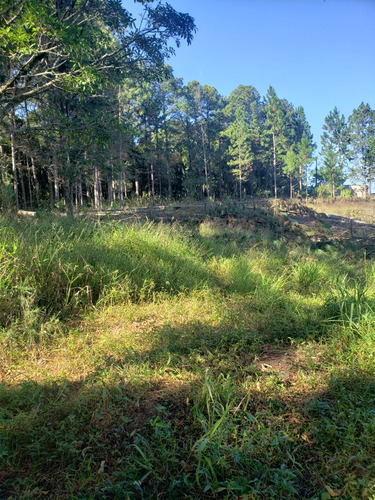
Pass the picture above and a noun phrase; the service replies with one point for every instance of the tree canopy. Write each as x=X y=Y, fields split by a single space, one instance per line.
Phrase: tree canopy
x=90 y=114
x=79 y=46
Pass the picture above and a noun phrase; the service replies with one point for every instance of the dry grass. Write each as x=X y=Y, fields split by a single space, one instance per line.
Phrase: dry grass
x=362 y=210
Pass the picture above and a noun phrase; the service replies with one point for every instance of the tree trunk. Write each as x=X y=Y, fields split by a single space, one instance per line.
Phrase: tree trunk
x=365 y=177
x=96 y=188
x=50 y=188
x=120 y=179
x=68 y=196
x=205 y=163
x=13 y=155
x=36 y=182
x=291 y=187
x=29 y=183
x=240 y=171
x=23 y=190
x=75 y=194
x=2 y=165
x=80 y=190
x=68 y=189
x=167 y=160
x=221 y=180
x=148 y=182
x=189 y=145
x=166 y=151
x=125 y=189
x=274 y=165
x=110 y=187
x=152 y=182
x=122 y=176
x=56 y=177
x=120 y=189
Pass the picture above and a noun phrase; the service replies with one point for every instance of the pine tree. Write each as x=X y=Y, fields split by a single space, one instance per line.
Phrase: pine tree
x=291 y=168
x=362 y=129
x=335 y=138
x=239 y=149
x=278 y=131
x=331 y=172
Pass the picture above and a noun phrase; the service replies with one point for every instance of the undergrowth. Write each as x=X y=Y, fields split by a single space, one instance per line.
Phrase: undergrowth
x=184 y=361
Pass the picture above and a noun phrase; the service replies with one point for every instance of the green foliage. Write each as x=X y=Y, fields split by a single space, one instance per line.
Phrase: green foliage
x=6 y=197
x=280 y=132
x=239 y=150
x=324 y=190
x=335 y=138
x=92 y=81
x=79 y=45
x=345 y=193
x=331 y=172
x=291 y=163
x=362 y=131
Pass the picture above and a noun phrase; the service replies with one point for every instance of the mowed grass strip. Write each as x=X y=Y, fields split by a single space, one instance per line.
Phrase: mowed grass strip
x=184 y=361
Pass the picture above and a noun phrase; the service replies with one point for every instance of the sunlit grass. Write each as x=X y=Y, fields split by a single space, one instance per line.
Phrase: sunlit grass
x=359 y=209
x=183 y=361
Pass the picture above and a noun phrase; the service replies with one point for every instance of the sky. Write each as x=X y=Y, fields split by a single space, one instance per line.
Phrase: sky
x=315 y=53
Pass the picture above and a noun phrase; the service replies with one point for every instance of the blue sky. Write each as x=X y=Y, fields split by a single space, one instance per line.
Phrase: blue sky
x=315 y=53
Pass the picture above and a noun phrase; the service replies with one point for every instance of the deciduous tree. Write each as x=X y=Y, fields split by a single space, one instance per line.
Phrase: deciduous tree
x=80 y=45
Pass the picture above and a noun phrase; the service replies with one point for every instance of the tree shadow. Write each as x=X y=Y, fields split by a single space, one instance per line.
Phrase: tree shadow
x=98 y=439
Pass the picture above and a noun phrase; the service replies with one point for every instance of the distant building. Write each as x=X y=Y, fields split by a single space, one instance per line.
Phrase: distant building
x=355 y=190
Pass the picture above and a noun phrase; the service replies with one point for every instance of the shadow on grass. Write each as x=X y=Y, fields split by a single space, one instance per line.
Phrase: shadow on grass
x=240 y=326
x=184 y=417
x=172 y=438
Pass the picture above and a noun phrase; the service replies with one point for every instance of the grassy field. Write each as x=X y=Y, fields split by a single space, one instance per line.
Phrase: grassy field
x=357 y=208
x=220 y=359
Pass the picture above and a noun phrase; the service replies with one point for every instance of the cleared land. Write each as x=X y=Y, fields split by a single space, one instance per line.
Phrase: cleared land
x=231 y=356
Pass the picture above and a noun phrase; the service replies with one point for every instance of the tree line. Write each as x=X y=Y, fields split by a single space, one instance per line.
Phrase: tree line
x=348 y=149
x=90 y=114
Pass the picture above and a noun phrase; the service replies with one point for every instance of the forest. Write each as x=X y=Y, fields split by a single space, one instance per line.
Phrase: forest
x=218 y=345
x=91 y=115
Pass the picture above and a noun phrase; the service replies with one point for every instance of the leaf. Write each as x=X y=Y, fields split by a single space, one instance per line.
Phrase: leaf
x=202 y=445
x=334 y=493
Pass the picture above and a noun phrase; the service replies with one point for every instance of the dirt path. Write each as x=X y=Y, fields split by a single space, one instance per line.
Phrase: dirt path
x=331 y=226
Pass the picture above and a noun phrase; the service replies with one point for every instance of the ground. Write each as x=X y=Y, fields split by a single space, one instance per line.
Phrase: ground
x=254 y=381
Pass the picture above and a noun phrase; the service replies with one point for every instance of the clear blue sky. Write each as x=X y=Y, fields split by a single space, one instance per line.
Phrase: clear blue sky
x=315 y=53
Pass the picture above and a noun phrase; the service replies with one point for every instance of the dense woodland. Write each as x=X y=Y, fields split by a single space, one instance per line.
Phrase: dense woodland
x=90 y=115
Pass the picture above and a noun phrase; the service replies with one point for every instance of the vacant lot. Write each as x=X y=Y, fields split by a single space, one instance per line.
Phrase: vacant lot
x=363 y=210
x=229 y=357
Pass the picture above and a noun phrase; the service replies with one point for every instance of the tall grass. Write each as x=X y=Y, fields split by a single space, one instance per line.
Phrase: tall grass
x=51 y=268
x=183 y=361
x=54 y=267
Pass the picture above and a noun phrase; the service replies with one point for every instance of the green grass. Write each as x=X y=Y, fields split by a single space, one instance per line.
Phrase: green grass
x=183 y=361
